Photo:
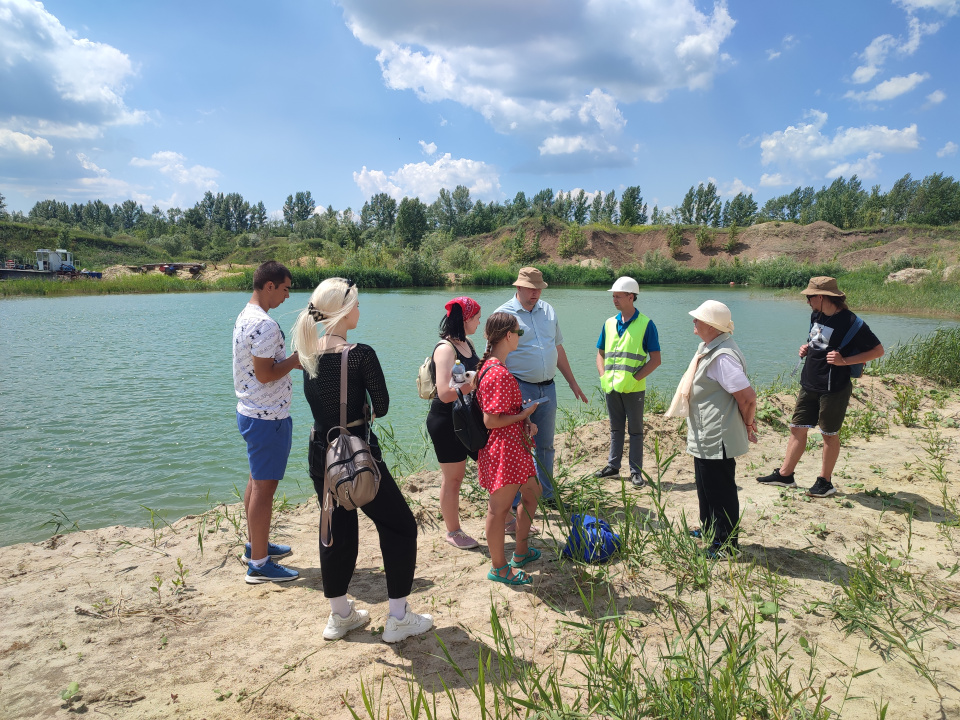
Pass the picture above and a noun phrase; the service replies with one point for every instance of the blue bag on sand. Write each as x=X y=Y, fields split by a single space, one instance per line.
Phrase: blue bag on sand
x=591 y=540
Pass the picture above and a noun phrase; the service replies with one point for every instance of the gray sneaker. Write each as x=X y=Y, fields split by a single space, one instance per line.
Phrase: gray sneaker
x=338 y=626
x=412 y=624
x=822 y=488
x=637 y=480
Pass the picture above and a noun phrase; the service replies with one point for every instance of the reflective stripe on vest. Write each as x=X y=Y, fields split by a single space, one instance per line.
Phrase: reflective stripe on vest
x=623 y=355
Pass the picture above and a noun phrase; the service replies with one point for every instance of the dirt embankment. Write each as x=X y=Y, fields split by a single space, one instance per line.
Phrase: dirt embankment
x=814 y=243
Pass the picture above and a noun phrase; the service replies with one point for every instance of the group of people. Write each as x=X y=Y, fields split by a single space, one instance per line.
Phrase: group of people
x=513 y=382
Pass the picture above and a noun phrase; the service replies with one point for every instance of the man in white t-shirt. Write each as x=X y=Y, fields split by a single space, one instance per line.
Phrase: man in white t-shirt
x=261 y=379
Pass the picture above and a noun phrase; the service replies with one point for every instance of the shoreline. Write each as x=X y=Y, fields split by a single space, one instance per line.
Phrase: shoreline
x=81 y=607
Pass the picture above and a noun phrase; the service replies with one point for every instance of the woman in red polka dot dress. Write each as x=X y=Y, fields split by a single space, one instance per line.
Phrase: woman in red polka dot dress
x=505 y=462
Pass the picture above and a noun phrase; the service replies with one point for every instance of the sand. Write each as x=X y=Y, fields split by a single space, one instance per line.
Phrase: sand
x=86 y=607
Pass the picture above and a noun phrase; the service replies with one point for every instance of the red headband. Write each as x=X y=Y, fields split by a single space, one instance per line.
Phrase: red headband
x=469 y=306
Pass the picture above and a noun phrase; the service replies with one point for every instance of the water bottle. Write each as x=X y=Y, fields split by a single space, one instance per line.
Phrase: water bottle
x=459 y=373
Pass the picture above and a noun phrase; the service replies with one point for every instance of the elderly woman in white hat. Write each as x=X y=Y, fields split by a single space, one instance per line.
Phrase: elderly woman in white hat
x=719 y=405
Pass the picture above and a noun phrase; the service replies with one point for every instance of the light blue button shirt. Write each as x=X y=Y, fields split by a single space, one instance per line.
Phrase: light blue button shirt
x=535 y=359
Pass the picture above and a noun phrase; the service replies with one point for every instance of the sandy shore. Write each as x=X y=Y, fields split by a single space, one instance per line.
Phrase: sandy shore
x=86 y=607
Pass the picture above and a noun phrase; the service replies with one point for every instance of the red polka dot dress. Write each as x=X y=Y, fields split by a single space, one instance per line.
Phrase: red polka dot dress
x=506 y=458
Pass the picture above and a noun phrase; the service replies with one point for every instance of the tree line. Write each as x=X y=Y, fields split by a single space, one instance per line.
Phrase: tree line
x=219 y=223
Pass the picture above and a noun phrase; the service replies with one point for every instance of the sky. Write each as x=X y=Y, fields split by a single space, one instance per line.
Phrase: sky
x=161 y=102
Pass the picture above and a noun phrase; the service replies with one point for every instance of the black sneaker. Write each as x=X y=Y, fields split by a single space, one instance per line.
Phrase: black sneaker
x=608 y=471
x=822 y=488
x=775 y=479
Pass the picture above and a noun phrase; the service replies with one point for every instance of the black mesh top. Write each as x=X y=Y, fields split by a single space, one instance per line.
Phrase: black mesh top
x=364 y=375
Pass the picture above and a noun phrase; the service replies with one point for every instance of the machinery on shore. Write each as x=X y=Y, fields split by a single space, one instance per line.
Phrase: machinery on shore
x=49 y=264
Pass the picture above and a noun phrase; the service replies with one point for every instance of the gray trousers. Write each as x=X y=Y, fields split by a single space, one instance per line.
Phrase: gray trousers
x=626 y=410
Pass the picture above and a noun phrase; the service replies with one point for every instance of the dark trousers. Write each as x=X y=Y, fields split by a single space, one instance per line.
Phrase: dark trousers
x=395 y=525
x=717 y=493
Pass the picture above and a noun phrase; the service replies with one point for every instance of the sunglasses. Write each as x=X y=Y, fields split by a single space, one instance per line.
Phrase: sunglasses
x=518 y=331
x=350 y=284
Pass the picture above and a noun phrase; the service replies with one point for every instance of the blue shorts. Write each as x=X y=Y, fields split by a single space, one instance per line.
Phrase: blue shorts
x=268 y=445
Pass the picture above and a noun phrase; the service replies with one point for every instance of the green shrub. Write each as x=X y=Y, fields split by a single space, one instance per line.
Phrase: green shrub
x=573 y=241
x=675 y=239
x=704 y=238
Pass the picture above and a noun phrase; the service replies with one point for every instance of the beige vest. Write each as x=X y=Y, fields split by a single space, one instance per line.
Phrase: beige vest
x=714 y=423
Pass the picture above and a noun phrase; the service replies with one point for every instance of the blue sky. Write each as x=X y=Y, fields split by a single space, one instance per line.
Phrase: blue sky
x=161 y=102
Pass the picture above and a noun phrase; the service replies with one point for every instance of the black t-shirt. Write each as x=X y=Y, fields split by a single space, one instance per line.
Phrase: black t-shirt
x=826 y=335
x=469 y=363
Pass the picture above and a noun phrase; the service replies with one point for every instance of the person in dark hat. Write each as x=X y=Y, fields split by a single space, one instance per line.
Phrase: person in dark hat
x=837 y=341
x=534 y=364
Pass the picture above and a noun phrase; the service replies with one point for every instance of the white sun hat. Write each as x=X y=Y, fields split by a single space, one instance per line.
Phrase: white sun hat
x=715 y=314
x=625 y=284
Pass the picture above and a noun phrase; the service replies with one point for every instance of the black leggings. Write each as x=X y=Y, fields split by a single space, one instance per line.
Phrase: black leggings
x=395 y=525
x=717 y=492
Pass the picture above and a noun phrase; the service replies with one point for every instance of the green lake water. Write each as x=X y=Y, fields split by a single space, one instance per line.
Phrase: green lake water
x=110 y=403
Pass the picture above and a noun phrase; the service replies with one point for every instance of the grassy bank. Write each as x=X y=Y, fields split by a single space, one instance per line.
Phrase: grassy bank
x=865 y=287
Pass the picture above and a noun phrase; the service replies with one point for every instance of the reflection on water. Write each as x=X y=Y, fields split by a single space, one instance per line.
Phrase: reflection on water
x=112 y=402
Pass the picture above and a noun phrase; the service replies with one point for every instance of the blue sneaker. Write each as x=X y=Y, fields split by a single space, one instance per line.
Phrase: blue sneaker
x=270 y=572
x=275 y=552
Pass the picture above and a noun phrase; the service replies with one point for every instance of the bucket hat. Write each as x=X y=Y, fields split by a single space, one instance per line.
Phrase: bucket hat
x=823 y=285
x=626 y=284
x=530 y=277
x=715 y=314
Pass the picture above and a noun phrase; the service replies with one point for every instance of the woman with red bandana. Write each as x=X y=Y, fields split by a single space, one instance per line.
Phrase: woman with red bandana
x=461 y=320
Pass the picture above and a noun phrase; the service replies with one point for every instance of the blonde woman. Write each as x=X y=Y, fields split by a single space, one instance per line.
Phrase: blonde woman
x=320 y=333
x=505 y=463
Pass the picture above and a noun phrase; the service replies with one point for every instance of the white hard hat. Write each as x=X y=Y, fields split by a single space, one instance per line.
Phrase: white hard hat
x=625 y=284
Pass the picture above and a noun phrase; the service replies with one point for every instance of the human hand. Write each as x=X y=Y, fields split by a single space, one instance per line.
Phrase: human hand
x=835 y=358
x=804 y=349
x=578 y=393
x=531 y=428
x=752 y=435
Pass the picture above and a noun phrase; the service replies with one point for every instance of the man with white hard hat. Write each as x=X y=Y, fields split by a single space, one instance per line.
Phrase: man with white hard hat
x=627 y=352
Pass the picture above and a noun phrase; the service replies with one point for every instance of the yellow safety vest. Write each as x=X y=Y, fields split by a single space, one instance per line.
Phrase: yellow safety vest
x=623 y=355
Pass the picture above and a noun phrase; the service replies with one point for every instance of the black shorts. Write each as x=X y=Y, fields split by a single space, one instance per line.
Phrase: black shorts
x=447 y=446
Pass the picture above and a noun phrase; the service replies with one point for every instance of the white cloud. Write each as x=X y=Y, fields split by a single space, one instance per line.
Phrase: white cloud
x=864 y=167
x=948 y=150
x=424 y=180
x=936 y=97
x=428 y=148
x=947 y=7
x=774 y=180
x=875 y=54
x=889 y=89
x=735 y=188
x=788 y=43
x=172 y=165
x=773 y=55
x=805 y=143
x=12 y=142
x=558 y=69
x=54 y=74
x=88 y=164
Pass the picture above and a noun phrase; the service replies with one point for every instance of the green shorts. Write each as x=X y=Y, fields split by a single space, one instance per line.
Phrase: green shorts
x=824 y=409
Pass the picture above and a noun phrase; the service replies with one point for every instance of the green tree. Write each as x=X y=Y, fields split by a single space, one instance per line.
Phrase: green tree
x=596 y=208
x=382 y=210
x=609 y=213
x=298 y=207
x=633 y=211
x=580 y=208
x=258 y=216
x=3 y=208
x=742 y=210
x=937 y=201
x=411 y=222
x=900 y=198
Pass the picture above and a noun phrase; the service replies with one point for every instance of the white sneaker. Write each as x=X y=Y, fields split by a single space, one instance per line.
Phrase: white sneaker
x=338 y=626
x=412 y=624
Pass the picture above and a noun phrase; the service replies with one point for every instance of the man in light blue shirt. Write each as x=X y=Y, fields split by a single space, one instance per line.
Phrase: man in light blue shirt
x=535 y=363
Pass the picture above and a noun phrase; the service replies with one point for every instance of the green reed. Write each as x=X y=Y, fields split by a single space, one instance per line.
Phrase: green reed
x=935 y=357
